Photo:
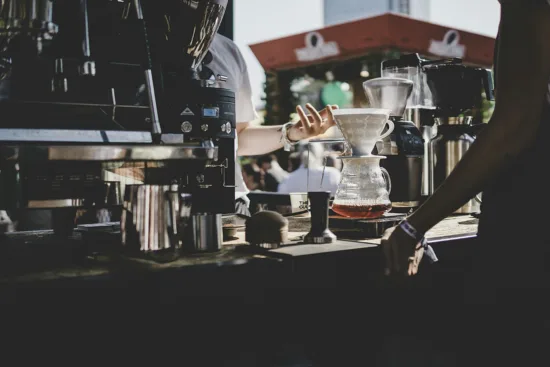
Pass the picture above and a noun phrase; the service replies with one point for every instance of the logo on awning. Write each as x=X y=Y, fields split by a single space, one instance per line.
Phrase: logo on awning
x=316 y=48
x=449 y=47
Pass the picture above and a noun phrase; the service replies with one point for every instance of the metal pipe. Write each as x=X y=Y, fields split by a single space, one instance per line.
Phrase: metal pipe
x=34 y=11
x=86 y=49
x=156 y=129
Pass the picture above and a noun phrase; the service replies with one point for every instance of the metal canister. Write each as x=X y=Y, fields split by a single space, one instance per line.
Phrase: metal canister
x=153 y=221
x=446 y=150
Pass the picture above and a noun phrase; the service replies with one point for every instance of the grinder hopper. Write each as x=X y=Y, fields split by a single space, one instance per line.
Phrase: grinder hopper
x=389 y=93
x=188 y=28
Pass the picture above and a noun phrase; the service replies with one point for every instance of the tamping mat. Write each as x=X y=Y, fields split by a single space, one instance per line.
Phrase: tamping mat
x=351 y=228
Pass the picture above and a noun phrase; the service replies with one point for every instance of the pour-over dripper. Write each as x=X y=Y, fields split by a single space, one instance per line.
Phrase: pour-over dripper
x=363 y=127
x=389 y=93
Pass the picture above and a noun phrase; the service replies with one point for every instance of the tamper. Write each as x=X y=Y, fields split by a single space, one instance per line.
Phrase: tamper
x=319 y=232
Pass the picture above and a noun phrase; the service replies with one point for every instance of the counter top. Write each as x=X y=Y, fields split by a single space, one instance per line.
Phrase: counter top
x=451 y=228
x=39 y=256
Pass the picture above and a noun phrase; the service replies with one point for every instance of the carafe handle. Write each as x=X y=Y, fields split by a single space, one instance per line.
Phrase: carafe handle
x=391 y=126
x=387 y=179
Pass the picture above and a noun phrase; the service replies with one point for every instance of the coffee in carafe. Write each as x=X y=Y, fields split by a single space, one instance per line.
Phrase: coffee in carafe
x=361 y=211
x=364 y=191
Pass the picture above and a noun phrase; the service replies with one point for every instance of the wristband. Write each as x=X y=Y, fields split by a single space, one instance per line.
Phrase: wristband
x=287 y=143
x=413 y=233
x=410 y=230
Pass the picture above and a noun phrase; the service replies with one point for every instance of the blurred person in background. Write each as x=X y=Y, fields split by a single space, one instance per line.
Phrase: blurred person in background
x=332 y=161
x=294 y=161
x=253 y=177
x=311 y=175
x=274 y=173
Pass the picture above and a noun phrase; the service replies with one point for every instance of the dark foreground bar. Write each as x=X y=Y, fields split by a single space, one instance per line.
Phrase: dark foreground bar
x=305 y=305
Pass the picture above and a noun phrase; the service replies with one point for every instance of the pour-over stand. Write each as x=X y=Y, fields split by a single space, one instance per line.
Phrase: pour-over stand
x=362 y=128
x=366 y=221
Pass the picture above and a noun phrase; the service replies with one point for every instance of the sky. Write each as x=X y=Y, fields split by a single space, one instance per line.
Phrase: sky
x=260 y=20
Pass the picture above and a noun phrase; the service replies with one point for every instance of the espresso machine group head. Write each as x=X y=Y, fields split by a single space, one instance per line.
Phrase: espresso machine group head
x=99 y=87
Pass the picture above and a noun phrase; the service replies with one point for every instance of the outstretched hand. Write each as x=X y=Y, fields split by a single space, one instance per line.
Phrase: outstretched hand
x=402 y=254
x=313 y=124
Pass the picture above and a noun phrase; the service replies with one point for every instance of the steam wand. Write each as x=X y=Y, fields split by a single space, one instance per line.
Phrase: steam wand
x=147 y=66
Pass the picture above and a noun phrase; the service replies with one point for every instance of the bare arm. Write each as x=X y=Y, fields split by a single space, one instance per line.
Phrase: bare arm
x=523 y=75
x=257 y=140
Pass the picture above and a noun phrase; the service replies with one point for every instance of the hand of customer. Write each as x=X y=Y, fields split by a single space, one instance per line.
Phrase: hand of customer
x=402 y=254
x=312 y=125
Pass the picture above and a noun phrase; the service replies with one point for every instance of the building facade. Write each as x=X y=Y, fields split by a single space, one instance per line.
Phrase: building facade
x=338 y=11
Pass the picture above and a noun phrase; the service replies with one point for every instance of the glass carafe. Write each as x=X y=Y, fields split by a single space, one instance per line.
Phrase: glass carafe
x=364 y=190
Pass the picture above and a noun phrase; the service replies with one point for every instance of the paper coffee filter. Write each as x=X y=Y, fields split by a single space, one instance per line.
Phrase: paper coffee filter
x=363 y=127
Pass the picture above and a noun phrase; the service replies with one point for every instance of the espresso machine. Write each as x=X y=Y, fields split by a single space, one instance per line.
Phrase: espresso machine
x=457 y=92
x=99 y=95
x=404 y=147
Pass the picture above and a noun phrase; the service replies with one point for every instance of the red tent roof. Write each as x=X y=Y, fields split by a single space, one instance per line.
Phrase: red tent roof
x=358 y=38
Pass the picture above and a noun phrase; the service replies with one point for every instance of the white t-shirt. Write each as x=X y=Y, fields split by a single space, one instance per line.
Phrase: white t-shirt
x=304 y=180
x=228 y=61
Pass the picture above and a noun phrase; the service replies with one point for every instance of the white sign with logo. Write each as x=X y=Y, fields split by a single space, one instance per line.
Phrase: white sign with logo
x=449 y=47
x=316 y=48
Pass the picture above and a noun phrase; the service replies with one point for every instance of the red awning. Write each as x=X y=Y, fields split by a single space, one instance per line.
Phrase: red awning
x=358 y=38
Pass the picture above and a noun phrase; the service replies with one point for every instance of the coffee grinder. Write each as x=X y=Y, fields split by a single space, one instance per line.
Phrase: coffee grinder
x=457 y=91
x=419 y=108
x=404 y=147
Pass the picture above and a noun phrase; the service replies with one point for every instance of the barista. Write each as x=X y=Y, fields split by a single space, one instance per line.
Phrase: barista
x=259 y=140
x=508 y=162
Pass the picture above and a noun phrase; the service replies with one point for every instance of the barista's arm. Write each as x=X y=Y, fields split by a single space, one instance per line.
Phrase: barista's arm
x=257 y=140
x=523 y=73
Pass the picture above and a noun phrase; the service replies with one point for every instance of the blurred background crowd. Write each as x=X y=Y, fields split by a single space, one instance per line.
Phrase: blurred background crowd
x=308 y=166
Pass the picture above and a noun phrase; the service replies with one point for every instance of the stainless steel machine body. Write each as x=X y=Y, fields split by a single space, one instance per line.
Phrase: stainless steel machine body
x=109 y=91
x=423 y=119
x=456 y=91
x=206 y=232
x=446 y=149
x=444 y=97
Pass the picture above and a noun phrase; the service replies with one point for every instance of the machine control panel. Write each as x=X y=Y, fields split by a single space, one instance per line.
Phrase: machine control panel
x=208 y=121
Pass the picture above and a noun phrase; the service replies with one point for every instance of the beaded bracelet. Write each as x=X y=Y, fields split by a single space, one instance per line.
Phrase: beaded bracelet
x=287 y=143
